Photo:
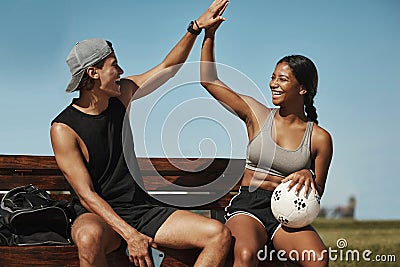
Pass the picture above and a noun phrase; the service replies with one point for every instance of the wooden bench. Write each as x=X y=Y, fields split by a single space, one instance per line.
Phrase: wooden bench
x=43 y=172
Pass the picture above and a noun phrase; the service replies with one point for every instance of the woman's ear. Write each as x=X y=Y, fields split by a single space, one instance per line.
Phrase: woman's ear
x=302 y=90
x=92 y=72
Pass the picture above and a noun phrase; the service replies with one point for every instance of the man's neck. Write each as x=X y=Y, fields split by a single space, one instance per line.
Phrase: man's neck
x=92 y=103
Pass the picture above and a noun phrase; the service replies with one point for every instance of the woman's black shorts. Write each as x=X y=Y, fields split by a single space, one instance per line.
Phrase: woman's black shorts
x=256 y=204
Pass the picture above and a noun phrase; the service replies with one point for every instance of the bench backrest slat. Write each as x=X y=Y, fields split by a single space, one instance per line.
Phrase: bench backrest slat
x=27 y=162
x=43 y=172
x=47 y=182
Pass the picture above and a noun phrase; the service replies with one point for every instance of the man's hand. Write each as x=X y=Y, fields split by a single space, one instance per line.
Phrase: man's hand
x=213 y=14
x=138 y=247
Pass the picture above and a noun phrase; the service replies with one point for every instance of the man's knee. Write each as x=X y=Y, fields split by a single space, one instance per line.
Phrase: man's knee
x=88 y=237
x=94 y=239
x=89 y=232
x=219 y=232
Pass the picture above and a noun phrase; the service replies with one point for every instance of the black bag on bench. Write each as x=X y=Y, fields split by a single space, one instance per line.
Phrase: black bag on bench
x=29 y=216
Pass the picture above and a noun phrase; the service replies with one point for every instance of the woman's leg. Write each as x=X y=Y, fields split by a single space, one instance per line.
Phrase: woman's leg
x=250 y=236
x=301 y=245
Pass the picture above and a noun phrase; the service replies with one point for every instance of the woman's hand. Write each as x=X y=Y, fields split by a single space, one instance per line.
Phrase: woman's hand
x=301 y=178
x=213 y=14
x=210 y=32
x=138 y=247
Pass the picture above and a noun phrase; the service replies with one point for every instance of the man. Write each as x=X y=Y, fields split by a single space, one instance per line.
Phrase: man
x=87 y=143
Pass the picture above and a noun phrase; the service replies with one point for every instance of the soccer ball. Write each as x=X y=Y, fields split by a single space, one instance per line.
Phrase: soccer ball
x=294 y=210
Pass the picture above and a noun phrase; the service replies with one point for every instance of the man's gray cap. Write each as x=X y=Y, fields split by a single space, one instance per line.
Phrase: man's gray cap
x=84 y=54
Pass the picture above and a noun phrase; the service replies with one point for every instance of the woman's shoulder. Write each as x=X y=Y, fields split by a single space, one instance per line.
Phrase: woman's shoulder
x=257 y=115
x=320 y=135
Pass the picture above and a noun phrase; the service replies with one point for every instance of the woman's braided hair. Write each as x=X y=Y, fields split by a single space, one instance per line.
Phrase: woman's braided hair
x=306 y=74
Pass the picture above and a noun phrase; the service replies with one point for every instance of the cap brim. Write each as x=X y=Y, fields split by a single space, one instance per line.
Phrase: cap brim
x=73 y=84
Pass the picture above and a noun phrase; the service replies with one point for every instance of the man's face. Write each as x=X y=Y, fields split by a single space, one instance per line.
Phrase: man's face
x=109 y=76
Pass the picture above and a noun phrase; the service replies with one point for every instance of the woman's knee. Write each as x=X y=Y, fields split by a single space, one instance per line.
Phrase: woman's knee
x=245 y=255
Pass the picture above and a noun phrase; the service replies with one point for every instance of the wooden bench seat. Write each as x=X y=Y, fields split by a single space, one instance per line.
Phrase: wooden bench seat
x=43 y=172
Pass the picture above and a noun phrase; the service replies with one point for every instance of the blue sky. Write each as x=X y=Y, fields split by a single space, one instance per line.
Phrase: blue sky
x=355 y=45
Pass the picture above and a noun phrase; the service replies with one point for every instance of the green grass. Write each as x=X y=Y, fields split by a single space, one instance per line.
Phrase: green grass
x=382 y=238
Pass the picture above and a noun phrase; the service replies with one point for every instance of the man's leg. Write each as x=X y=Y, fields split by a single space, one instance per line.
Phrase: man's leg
x=94 y=239
x=185 y=229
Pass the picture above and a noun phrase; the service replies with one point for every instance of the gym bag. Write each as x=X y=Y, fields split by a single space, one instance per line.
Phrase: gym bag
x=29 y=216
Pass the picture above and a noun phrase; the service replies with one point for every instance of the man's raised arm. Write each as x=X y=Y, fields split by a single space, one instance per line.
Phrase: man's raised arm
x=145 y=83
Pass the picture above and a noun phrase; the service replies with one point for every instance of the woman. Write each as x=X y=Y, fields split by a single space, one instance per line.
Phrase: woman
x=294 y=148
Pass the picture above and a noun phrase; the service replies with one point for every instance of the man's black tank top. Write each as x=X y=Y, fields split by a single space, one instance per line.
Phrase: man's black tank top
x=102 y=135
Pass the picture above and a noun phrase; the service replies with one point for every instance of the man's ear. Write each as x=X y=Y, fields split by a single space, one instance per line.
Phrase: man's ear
x=302 y=90
x=92 y=72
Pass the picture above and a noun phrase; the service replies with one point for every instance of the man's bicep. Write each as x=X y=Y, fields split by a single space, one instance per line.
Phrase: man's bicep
x=69 y=158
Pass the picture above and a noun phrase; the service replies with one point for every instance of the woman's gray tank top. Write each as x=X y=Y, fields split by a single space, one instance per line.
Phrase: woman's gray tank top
x=264 y=155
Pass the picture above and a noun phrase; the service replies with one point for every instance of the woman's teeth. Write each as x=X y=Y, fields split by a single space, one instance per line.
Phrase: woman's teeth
x=276 y=92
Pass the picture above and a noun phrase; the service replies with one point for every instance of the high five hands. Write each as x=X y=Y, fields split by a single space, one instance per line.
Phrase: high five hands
x=213 y=15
